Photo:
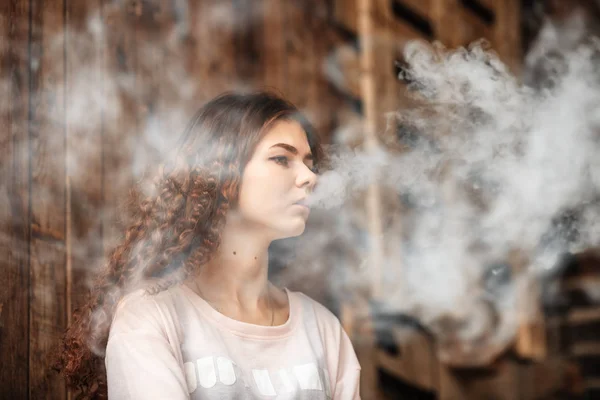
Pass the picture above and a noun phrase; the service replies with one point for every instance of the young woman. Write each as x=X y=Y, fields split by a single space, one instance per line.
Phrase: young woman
x=185 y=309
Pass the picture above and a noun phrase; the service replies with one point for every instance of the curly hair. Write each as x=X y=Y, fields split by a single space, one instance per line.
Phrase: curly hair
x=175 y=229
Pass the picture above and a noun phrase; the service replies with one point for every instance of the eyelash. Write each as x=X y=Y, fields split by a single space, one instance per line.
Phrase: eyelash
x=283 y=160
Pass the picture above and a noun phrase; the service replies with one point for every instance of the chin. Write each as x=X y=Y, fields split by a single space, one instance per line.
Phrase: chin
x=292 y=231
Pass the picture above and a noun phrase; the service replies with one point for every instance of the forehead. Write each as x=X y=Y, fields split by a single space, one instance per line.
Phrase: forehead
x=288 y=132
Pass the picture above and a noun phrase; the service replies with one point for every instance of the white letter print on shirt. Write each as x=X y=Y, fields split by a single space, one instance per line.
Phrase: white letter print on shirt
x=207 y=371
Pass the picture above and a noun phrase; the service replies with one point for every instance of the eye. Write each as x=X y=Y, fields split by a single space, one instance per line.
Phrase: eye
x=281 y=160
x=314 y=169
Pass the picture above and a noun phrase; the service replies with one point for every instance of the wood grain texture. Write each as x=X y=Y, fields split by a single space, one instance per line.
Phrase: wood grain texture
x=14 y=199
x=209 y=49
x=248 y=41
x=273 y=45
x=299 y=54
x=507 y=33
x=47 y=310
x=85 y=107
x=120 y=125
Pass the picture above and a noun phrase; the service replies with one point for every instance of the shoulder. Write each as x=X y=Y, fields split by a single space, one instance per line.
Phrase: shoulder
x=322 y=312
x=141 y=310
x=340 y=355
x=328 y=323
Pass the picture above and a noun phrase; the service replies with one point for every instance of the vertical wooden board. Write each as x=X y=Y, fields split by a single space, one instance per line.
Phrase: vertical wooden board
x=121 y=124
x=343 y=58
x=163 y=86
x=388 y=45
x=47 y=143
x=196 y=29
x=364 y=342
x=273 y=45
x=248 y=42
x=84 y=112
x=300 y=57
x=176 y=84
x=447 y=23
x=474 y=28
x=210 y=54
x=14 y=199
x=507 y=33
x=151 y=33
x=323 y=102
x=220 y=69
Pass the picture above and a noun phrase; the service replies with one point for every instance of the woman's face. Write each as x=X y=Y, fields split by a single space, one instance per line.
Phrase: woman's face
x=278 y=176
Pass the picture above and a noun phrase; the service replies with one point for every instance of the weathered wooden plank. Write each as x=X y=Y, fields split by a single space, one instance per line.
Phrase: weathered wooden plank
x=151 y=26
x=273 y=45
x=306 y=48
x=474 y=28
x=121 y=124
x=325 y=101
x=369 y=61
x=342 y=76
x=210 y=48
x=84 y=112
x=153 y=30
x=301 y=63
x=47 y=310
x=248 y=41
x=389 y=41
x=507 y=33
x=362 y=333
x=14 y=199
x=448 y=28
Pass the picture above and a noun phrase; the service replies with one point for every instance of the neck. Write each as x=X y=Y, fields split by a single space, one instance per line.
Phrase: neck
x=237 y=276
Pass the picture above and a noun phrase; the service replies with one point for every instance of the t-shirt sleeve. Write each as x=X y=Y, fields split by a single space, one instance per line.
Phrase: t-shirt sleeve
x=347 y=384
x=342 y=363
x=140 y=362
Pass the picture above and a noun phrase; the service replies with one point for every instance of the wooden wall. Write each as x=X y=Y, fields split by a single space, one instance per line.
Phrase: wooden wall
x=90 y=89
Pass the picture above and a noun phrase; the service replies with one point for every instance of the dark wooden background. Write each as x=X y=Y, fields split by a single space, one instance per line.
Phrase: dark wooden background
x=88 y=87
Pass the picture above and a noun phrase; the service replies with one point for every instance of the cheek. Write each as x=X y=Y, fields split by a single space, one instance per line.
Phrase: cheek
x=262 y=190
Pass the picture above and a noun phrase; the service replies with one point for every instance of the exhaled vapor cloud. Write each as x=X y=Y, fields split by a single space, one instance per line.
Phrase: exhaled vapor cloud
x=495 y=177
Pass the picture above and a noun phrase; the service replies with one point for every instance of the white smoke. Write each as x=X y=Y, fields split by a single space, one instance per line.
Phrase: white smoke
x=492 y=165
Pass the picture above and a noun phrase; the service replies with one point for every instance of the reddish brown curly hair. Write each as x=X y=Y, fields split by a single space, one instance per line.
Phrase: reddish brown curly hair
x=176 y=228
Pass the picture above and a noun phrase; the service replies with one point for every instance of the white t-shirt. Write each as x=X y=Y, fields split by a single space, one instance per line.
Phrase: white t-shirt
x=174 y=345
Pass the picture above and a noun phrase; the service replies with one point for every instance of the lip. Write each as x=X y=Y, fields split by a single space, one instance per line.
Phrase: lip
x=302 y=202
x=302 y=206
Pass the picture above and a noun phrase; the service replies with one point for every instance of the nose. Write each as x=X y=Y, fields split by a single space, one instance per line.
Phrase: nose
x=306 y=178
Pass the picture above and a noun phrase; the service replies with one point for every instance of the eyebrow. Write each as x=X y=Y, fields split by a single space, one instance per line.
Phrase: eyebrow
x=293 y=150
